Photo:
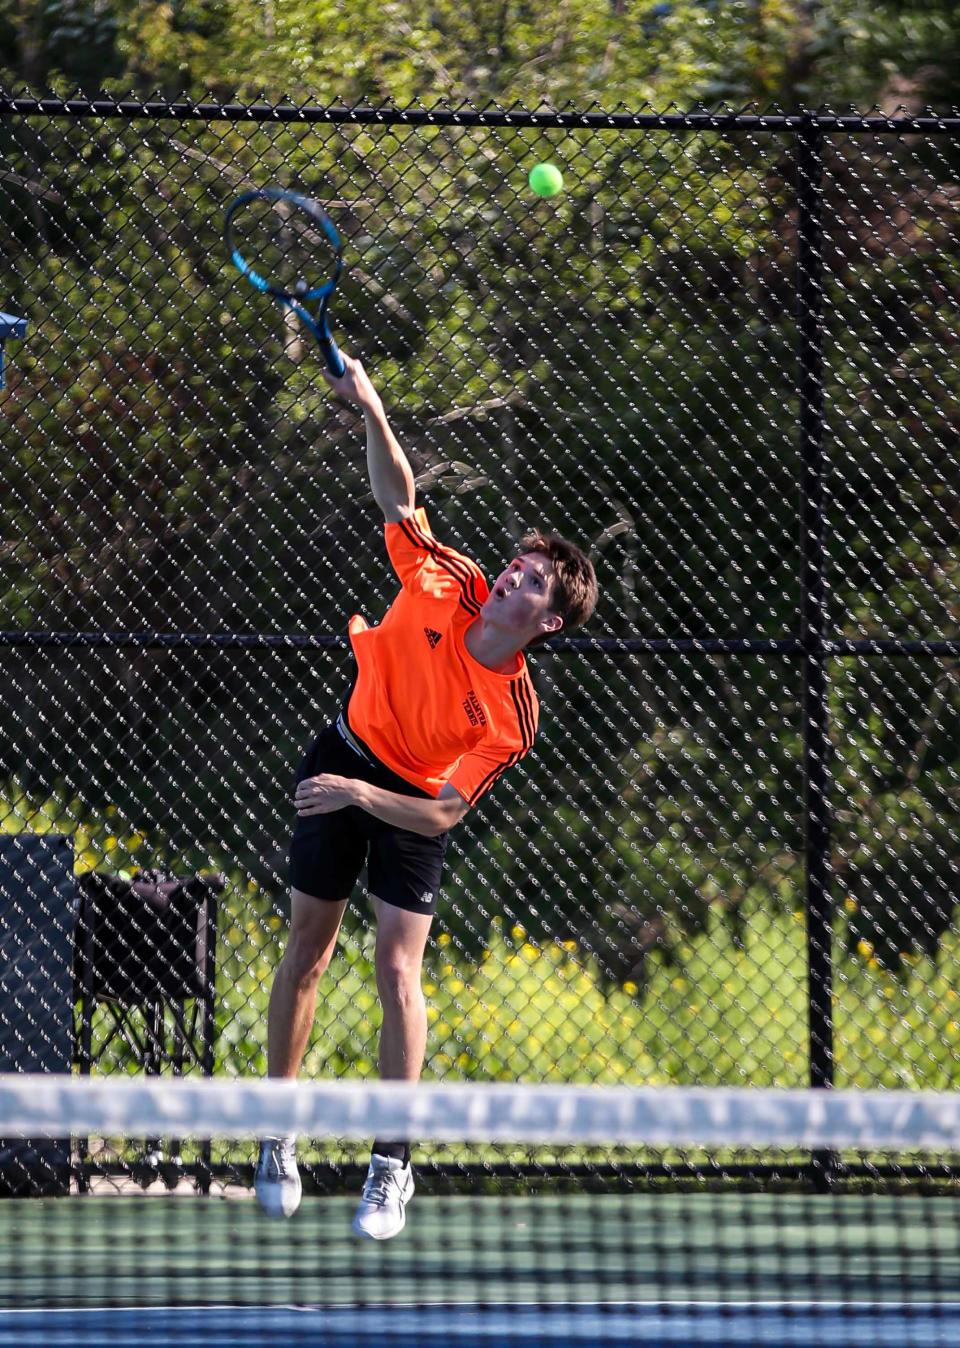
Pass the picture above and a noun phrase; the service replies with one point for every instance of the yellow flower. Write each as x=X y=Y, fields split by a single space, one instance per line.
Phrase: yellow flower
x=630 y=989
x=518 y=933
x=110 y=844
x=851 y=905
x=443 y=938
x=865 y=948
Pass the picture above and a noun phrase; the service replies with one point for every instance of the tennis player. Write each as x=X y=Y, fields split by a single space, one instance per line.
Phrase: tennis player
x=442 y=706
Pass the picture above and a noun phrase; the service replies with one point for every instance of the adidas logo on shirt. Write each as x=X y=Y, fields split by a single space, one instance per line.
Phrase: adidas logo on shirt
x=433 y=637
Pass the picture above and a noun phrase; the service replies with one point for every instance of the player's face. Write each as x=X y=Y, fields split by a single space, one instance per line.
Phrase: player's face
x=521 y=595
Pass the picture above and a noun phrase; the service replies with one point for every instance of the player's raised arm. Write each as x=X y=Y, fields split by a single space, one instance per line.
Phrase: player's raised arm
x=391 y=476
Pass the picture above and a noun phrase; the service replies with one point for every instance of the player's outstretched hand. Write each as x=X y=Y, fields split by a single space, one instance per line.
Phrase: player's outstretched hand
x=354 y=384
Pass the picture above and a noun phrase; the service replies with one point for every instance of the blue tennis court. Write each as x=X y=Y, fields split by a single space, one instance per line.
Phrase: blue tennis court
x=798 y=1324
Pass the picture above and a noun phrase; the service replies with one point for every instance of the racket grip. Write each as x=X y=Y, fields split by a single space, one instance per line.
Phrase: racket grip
x=332 y=356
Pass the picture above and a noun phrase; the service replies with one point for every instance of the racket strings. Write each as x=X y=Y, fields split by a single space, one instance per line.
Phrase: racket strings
x=284 y=246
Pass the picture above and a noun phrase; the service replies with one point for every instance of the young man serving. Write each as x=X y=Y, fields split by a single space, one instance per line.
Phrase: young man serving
x=442 y=705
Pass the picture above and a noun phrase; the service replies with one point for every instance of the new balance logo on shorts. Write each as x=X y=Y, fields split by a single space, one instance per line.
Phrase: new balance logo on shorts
x=433 y=637
x=426 y=897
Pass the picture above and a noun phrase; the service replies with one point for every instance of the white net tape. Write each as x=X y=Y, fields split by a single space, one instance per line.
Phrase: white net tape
x=52 y=1106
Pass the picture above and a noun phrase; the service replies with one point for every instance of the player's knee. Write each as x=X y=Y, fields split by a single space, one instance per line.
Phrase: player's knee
x=398 y=980
x=304 y=961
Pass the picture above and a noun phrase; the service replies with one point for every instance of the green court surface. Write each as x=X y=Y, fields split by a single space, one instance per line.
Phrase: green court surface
x=671 y=1268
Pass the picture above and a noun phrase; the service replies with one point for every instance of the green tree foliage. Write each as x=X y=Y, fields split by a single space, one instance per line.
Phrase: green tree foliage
x=620 y=364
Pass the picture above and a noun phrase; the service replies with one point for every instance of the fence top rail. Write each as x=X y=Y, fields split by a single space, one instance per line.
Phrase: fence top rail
x=588 y=645
x=387 y=114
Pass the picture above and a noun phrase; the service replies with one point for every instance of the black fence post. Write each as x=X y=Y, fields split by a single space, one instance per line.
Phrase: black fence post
x=816 y=741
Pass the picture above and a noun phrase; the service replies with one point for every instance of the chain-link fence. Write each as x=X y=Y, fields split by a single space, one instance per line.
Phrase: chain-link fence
x=724 y=358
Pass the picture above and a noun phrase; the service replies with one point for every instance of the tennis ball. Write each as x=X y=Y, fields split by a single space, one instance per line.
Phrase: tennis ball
x=546 y=180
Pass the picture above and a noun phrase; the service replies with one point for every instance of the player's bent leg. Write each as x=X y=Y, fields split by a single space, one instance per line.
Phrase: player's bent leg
x=401 y=940
x=314 y=926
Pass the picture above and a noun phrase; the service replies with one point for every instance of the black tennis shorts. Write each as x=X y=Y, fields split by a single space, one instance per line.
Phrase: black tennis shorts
x=328 y=851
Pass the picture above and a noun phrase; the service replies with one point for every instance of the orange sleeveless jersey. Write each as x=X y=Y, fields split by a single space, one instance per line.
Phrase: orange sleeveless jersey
x=421 y=703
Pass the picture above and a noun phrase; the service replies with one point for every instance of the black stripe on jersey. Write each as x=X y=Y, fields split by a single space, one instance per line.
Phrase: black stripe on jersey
x=456 y=566
x=459 y=567
x=521 y=693
x=493 y=775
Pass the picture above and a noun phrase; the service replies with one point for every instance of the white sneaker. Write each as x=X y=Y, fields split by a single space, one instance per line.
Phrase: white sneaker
x=277 y=1181
x=387 y=1190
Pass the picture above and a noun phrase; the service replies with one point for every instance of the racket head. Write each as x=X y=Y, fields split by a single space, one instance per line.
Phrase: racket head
x=283 y=243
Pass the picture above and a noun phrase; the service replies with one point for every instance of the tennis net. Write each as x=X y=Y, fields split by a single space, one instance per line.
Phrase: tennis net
x=585 y=1215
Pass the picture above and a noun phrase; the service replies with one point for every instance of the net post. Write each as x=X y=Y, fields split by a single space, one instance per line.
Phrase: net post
x=11 y=326
x=813 y=603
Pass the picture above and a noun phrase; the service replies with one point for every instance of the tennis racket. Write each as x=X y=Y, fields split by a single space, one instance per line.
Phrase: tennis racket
x=282 y=242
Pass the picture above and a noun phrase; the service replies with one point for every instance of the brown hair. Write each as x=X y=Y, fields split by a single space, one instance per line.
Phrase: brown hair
x=574 y=580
